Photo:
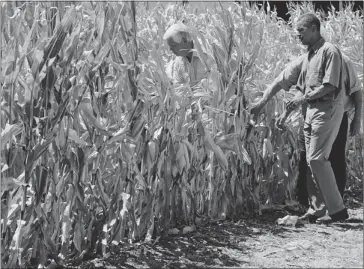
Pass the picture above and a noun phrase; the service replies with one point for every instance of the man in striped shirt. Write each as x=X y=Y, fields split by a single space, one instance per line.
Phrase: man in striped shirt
x=186 y=67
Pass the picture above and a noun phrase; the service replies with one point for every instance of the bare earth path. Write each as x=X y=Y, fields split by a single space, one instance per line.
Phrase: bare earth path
x=256 y=243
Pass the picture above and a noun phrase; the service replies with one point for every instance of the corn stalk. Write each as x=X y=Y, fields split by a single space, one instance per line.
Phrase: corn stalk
x=99 y=148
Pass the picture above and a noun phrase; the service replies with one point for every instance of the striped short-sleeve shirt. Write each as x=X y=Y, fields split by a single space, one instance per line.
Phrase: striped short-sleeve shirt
x=180 y=70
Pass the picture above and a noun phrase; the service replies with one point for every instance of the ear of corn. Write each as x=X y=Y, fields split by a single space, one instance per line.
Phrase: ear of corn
x=97 y=146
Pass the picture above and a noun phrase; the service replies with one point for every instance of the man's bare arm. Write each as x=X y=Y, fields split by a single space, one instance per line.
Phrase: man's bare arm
x=358 y=101
x=271 y=91
x=357 y=97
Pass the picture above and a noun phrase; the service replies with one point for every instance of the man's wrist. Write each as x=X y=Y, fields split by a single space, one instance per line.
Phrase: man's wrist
x=305 y=98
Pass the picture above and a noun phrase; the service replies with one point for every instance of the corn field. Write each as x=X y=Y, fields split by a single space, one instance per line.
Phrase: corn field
x=99 y=148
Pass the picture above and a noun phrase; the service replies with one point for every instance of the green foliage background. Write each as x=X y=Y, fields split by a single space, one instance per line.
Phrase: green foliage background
x=98 y=148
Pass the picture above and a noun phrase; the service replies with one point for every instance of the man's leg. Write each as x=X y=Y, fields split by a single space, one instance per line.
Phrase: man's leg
x=338 y=155
x=301 y=187
x=321 y=129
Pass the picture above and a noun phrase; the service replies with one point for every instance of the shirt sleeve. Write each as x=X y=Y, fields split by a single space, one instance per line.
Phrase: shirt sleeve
x=352 y=84
x=168 y=69
x=289 y=76
x=332 y=67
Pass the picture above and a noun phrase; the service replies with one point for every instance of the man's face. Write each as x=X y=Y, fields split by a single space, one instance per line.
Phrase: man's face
x=305 y=32
x=179 y=48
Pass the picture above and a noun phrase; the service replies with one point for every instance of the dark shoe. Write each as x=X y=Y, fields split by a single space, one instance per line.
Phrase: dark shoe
x=340 y=216
x=309 y=218
x=324 y=220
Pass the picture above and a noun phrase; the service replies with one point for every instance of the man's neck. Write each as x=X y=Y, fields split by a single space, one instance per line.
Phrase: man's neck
x=314 y=41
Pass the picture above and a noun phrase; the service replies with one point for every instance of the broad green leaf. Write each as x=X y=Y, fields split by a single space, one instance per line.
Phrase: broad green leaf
x=8 y=132
x=14 y=208
x=246 y=157
x=86 y=110
x=16 y=243
x=25 y=46
x=101 y=55
x=9 y=183
x=27 y=91
x=39 y=149
x=69 y=52
x=66 y=224
x=100 y=23
x=38 y=55
x=56 y=41
x=4 y=167
x=72 y=134
x=77 y=236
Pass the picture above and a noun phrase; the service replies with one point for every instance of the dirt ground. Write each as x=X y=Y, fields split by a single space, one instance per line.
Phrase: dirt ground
x=250 y=243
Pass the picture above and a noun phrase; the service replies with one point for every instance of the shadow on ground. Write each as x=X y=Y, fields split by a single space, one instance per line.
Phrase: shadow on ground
x=250 y=242
x=213 y=244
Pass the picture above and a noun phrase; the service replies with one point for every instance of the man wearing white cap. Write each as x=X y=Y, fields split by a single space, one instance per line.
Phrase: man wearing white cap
x=187 y=67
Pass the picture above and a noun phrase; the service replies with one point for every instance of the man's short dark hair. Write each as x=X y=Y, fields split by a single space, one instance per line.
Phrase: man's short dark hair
x=310 y=19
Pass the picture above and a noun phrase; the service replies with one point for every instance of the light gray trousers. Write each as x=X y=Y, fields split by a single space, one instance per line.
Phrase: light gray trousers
x=321 y=127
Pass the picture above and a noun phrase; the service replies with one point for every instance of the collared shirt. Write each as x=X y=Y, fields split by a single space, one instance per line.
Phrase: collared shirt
x=320 y=65
x=180 y=70
x=351 y=83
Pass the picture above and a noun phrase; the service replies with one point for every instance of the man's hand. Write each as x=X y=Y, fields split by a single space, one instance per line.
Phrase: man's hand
x=295 y=102
x=355 y=125
x=272 y=90
x=282 y=119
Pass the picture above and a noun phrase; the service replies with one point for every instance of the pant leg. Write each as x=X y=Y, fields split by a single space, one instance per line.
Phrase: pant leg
x=316 y=200
x=321 y=128
x=338 y=155
x=301 y=179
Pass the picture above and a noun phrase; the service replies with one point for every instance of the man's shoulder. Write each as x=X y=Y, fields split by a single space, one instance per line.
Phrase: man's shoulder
x=347 y=62
x=329 y=47
x=298 y=58
x=196 y=58
x=295 y=62
x=197 y=62
x=179 y=59
x=175 y=66
x=179 y=63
